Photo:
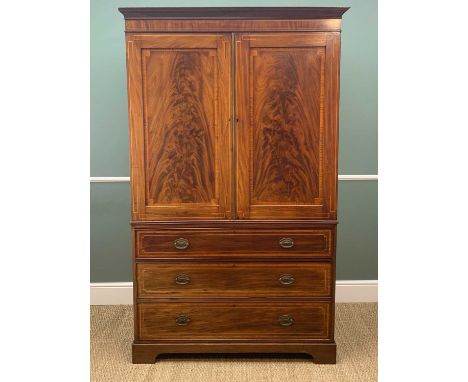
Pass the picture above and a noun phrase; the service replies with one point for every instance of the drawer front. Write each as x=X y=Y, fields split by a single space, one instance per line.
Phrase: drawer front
x=206 y=242
x=249 y=321
x=234 y=279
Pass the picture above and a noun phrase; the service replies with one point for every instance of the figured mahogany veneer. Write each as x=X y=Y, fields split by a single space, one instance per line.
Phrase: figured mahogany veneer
x=233 y=120
x=287 y=116
x=239 y=279
x=233 y=320
x=204 y=242
x=179 y=145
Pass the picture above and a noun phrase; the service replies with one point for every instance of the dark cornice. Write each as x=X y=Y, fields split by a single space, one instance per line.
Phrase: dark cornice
x=234 y=13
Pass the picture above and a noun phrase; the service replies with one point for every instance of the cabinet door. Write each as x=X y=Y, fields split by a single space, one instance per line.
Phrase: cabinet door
x=286 y=125
x=180 y=134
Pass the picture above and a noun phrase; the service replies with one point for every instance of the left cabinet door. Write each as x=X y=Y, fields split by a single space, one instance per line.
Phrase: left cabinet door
x=180 y=126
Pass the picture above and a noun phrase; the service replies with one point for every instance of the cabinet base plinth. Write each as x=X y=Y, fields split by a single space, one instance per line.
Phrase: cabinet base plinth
x=147 y=353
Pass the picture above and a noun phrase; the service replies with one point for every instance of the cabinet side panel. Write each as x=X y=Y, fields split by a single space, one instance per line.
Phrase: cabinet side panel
x=135 y=119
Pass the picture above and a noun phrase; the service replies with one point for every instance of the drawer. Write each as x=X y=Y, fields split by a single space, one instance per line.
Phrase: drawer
x=206 y=242
x=247 y=321
x=234 y=279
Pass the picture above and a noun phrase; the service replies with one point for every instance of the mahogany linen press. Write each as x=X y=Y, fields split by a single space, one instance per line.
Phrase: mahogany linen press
x=233 y=119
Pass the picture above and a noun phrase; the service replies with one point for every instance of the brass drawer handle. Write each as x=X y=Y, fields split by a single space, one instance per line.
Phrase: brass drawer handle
x=181 y=243
x=287 y=279
x=182 y=279
x=286 y=242
x=285 y=320
x=182 y=320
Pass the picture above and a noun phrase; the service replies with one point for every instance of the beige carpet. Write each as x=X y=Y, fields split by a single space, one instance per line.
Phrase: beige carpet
x=356 y=338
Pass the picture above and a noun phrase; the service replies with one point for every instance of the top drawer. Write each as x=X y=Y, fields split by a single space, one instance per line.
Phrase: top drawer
x=202 y=241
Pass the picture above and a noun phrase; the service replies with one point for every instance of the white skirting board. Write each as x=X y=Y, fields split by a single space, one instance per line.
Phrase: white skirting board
x=122 y=293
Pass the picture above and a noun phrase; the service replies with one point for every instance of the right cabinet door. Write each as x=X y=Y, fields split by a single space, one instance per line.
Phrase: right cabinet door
x=287 y=93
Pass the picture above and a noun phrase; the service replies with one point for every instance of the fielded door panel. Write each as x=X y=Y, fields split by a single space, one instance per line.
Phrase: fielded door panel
x=180 y=138
x=286 y=125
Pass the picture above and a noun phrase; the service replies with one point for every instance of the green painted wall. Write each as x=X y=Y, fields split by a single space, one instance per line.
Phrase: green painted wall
x=110 y=231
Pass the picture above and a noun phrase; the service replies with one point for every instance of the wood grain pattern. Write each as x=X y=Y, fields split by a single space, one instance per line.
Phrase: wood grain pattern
x=286 y=124
x=179 y=116
x=233 y=320
x=311 y=25
x=239 y=279
x=218 y=242
x=281 y=101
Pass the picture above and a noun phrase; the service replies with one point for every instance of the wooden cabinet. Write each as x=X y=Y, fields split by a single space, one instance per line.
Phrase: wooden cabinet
x=233 y=116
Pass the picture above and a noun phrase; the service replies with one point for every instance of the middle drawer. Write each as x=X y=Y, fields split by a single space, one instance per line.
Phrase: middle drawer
x=242 y=279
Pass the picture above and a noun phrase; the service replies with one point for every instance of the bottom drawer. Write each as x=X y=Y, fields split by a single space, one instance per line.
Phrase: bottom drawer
x=246 y=320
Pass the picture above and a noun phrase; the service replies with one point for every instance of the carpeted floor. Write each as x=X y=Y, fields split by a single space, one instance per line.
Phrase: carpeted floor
x=356 y=338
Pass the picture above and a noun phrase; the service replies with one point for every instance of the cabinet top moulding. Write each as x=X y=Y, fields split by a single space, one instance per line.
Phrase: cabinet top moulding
x=233 y=19
x=233 y=13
